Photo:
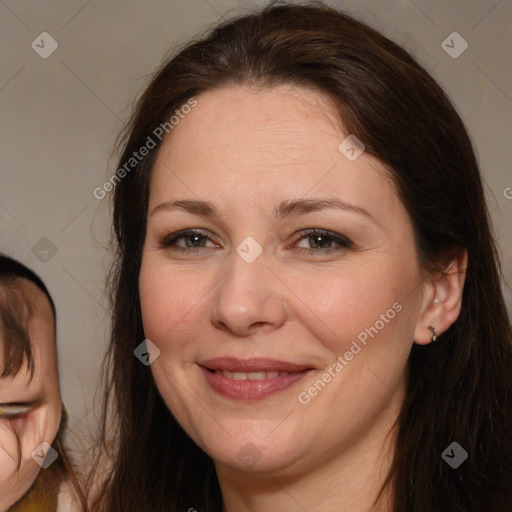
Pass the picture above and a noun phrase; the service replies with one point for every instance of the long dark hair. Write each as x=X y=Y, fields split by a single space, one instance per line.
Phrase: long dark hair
x=459 y=388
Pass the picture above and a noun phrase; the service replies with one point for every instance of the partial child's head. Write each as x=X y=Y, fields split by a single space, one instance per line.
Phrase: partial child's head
x=30 y=401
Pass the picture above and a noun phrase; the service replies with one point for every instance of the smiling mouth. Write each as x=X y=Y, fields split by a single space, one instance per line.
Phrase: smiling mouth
x=252 y=365
x=251 y=379
x=262 y=375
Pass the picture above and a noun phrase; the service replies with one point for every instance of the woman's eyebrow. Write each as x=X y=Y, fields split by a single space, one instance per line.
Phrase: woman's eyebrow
x=283 y=209
x=302 y=206
x=204 y=208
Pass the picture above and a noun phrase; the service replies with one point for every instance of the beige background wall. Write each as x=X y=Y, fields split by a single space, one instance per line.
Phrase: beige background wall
x=60 y=115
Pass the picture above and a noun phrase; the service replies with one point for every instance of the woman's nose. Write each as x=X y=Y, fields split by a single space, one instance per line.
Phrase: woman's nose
x=250 y=298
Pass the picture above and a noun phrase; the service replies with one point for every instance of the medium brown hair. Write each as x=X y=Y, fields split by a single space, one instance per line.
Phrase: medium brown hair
x=15 y=313
x=459 y=388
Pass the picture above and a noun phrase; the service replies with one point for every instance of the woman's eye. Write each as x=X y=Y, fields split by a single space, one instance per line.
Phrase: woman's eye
x=185 y=241
x=322 y=241
x=317 y=241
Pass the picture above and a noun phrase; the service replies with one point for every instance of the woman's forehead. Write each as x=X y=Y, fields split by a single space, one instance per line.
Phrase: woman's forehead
x=271 y=146
x=256 y=119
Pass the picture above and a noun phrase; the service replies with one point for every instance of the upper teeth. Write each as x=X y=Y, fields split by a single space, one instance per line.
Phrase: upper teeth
x=250 y=375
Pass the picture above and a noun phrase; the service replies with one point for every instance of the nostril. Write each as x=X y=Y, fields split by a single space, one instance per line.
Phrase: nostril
x=258 y=326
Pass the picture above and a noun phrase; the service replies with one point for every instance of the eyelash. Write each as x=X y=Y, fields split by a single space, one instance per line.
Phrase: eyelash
x=171 y=239
x=7 y=414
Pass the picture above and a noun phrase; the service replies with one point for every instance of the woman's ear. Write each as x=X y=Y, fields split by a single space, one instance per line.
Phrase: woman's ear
x=442 y=299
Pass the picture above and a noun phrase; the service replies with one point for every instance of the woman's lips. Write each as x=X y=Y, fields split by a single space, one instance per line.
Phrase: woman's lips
x=251 y=379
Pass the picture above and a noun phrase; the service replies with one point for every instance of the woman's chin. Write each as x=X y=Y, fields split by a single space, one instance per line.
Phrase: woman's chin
x=256 y=456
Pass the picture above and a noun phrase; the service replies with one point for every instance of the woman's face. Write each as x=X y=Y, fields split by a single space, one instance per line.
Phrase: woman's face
x=38 y=401
x=280 y=347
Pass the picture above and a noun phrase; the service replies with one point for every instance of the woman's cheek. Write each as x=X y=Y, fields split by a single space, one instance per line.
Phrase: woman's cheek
x=163 y=303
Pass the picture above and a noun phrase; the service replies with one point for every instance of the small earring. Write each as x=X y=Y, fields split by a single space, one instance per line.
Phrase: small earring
x=435 y=301
x=434 y=332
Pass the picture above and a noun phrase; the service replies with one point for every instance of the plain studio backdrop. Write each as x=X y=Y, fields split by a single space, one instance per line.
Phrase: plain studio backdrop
x=69 y=73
